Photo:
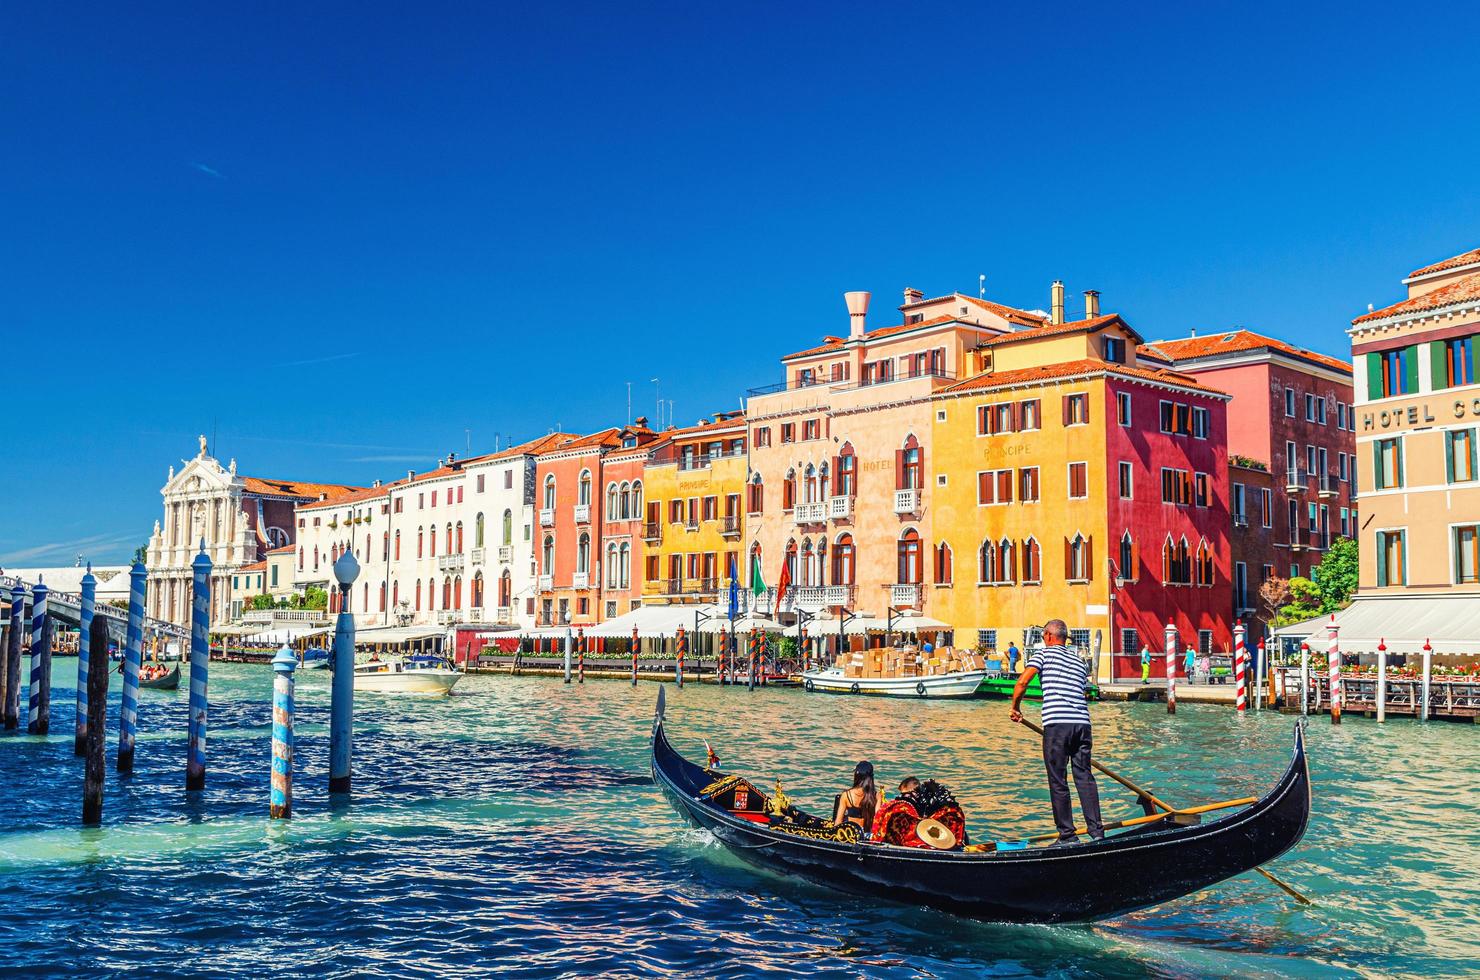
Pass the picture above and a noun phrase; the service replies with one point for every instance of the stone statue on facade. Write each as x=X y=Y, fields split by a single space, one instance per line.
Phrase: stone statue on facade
x=202 y=444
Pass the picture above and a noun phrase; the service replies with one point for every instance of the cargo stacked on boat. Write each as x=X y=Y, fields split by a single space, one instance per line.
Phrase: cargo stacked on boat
x=895 y=662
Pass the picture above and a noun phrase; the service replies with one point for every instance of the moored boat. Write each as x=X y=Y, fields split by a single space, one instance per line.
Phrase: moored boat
x=834 y=680
x=1162 y=857
x=413 y=675
x=315 y=658
x=160 y=678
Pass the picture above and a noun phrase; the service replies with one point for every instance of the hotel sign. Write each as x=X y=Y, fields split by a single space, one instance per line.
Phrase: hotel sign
x=1386 y=419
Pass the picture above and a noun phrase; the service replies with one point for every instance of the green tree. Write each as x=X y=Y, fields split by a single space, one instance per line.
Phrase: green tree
x=315 y=598
x=141 y=553
x=1336 y=576
x=1305 y=602
x=263 y=601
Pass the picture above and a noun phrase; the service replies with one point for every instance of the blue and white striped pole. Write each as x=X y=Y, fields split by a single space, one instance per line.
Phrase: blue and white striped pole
x=283 y=665
x=133 y=654
x=5 y=629
x=342 y=691
x=39 y=720
x=84 y=628
x=200 y=659
x=18 y=625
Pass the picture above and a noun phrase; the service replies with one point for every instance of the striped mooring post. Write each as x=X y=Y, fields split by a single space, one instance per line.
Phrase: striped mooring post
x=4 y=642
x=1333 y=664
x=682 y=642
x=95 y=755
x=133 y=656
x=19 y=602
x=1262 y=672
x=1382 y=680
x=1304 y=679
x=342 y=687
x=1240 y=668
x=569 y=642
x=635 y=643
x=1428 y=672
x=755 y=648
x=200 y=665
x=1171 y=648
x=280 y=805
x=806 y=649
x=86 y=610
x=581 y=655
x=39 y=720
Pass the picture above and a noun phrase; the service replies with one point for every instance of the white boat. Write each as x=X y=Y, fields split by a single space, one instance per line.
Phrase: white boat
x=316 y=658
x=417 y=675
x=831 y=680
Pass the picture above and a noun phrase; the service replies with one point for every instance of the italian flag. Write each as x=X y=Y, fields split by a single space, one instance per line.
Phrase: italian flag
x=757 y=581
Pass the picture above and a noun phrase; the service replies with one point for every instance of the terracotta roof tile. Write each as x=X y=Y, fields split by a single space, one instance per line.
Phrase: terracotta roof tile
x=1088 y=368
x=1465 y=290
x=292 y=488
x=1054 y=329
x=1235 y=342
x=837 y=343
x=285 y=549
x=256 y=566
x=1464 y=258
x=1009 y=313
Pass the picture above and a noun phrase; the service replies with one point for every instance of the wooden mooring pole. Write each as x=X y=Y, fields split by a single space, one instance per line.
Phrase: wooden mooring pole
x=39 y=719
x=95 y=765
x=19 y=603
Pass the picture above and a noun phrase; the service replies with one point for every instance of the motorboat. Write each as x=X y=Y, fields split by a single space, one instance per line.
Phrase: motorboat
x=315 y=658
x=419 y=674
x=834 y=680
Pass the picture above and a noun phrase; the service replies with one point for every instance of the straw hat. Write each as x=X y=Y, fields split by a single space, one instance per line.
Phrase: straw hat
x=936 y=834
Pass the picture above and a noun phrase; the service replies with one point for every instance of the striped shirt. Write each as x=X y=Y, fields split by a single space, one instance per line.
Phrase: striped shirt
x=1064 y=678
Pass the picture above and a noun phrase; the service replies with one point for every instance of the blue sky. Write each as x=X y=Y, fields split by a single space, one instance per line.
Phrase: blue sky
x=350 y=239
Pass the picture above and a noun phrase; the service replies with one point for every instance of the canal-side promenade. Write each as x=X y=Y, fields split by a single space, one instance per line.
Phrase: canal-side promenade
x=513 y=826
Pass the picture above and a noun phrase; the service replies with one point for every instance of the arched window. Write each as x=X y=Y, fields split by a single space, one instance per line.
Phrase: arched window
x=550 y=491
x=395 y=593
x=432 y=541
x=450 y=541
x=457 y=593
x=418 y=542
x=611 y=566
x=636 y=499
x=365 y=597
x=755 y=496
x=1077 y=558
x=943 y=564
x=910 y=466
x=459 y=547
x=822 y=482
x=547 y=555
x=508 y=530
x=1204 y=564
x=789 y=490
x=908 y=553
x=1006 y=570
x=398 y=544
x=583 y=553
x=1130 y=560
x=843 y=557
x=809 y=484
x=478 y=531
x=1032 y=562
x=847 y=471
x=1176 y=562
x=986 y=561
x=300 y=557
x=808 y=569
x=624 y=502
x=477 y=597
x=447 y=592
x=625 y=560
x=821 y=578
x=382 y=597
x=583 y=488
x=611 y=501
x=385 y=546
x=505 y=590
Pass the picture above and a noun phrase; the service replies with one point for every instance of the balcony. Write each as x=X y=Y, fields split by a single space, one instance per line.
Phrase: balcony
x=1299 y=539
x=1296 y=480
x=505 y=615
x=1240 y=520
x=476 y=556
x=691 y=523
x=505 y=554
x=583 y=513
x=907 y=501
x=905 y=595
x=452 y=563
x=446 y=617
x=547 y=517
x=580 y=580
x=475 y=614
x=546 y=583
x=839 y=595
x=1329 y=486
x=731 y=526
x=652 y=532
x=815 y=513
x=840 y=508
x=811 y=598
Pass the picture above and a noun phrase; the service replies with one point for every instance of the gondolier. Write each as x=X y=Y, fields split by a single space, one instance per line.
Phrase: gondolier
x=1066 y=729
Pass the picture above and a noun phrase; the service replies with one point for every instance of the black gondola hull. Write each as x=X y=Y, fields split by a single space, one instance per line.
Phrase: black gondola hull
x=1075 y=883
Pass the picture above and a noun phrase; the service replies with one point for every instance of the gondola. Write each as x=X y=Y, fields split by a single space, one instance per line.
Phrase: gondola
x=165 y=682
x=1133 y=869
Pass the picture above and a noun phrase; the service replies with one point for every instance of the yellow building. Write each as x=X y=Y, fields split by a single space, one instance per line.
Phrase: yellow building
x=693 y=524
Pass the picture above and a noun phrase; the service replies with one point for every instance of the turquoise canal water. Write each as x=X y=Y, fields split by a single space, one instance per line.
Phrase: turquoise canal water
x=513 y=827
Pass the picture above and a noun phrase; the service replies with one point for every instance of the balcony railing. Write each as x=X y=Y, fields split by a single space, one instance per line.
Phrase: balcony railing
x=505 y=614
x=475 y=614
x=546 y=583
x=1296 y=479
x=285 y=616
x=731 y=526
x=505 y=553
x=907 y=501
x=583 y=513
x=906 y=594
x=580 y=580
x=840 y=508
x=1329 y=486
x=691 y=523
x=652 y=531
x=451 y=563
x=815 y=513
x=547 y=517
x=1240 y=520
x=476 y=556
x=839 y=595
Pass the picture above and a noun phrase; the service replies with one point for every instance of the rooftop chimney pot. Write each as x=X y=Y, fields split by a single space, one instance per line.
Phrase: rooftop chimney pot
x=1056 y=304
x=1091 y=303
x=857 y=313
x=912 y=296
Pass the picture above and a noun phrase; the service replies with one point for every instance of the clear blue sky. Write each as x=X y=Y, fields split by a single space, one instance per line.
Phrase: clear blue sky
x=341 y=238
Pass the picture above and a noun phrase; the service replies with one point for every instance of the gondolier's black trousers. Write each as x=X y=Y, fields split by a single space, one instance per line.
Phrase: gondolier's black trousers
x=1069 y=745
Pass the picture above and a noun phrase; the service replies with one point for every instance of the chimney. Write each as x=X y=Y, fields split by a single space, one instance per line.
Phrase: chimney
x=410 y=475
x=857 y=312
x=912 y=295
x=1091 y=303
x=1056 y=293
x=375 y=485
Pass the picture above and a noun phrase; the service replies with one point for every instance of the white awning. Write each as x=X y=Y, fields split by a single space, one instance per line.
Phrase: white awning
x=285 y=634
x=397 y=634
x=1450 y=624
x=650 y=621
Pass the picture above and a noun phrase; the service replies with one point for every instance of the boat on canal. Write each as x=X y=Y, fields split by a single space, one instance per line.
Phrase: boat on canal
x=315 y=658
x=411 y=675
x=834 y=680
x=1163 y=856
x=161 y=679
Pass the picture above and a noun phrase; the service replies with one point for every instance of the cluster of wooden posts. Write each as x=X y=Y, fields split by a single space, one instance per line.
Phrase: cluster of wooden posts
x=28 y=615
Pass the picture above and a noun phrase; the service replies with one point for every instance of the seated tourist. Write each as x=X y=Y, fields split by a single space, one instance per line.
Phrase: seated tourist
x=907 y=785
x=856 y=805
x=898 y=820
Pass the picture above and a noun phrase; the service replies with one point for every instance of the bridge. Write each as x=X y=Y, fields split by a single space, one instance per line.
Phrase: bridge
x=66 y=608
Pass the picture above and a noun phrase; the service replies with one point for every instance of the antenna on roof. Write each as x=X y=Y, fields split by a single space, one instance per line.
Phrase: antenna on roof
x=981 y=287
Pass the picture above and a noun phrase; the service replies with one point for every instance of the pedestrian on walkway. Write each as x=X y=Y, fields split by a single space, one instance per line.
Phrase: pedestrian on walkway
x=1145 y=664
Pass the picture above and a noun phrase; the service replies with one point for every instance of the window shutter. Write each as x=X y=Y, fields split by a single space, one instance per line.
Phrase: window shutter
x=1410 y=369
x=1470 y=450
x=1089 y=557
x=1068 y=559
x=1439 y=364
x=983 y=488
x=1134 y=572
x=1402 y=558
x=1382 y=559
x=899 y=469
x=1449 y=457
x=1066 y=409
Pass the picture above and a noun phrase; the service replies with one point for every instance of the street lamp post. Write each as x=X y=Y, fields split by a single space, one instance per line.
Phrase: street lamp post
x=342 y=693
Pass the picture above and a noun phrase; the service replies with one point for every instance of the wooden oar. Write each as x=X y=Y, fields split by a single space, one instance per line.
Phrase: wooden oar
x=1169 y=810
x=1134 y=821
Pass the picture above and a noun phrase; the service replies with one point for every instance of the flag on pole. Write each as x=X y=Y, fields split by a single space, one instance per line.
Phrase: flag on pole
x=783 y=583
x=734 y=589
x=757 y=580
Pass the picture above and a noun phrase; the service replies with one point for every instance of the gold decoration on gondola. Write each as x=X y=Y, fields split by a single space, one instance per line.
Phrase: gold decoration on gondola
x=776 y=805
x=844 y=833
x=720 y=785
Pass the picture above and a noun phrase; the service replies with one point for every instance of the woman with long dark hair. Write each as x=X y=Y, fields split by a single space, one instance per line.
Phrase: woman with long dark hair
x=856 y=805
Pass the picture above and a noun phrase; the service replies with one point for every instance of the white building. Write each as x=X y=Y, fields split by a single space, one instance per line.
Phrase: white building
x=453 y=545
